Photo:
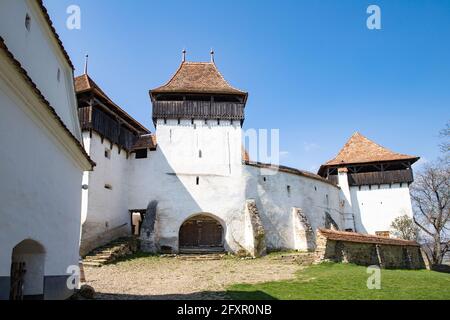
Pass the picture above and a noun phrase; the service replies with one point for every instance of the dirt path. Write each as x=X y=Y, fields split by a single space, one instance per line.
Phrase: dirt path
x=172 y=278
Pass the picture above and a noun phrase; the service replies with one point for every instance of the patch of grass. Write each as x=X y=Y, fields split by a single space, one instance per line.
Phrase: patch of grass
x=137 y=256
x=330 y=281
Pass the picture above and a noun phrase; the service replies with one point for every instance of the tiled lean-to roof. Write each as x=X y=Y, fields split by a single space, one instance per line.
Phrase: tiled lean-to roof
x=146 y=141
x=363 y=238
x=198 y=77
x=84 y=83
x=359 y=149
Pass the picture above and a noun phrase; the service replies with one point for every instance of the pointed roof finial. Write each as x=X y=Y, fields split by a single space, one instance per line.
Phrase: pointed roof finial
x=183 y=59
x=212 y=55
x=86 y=64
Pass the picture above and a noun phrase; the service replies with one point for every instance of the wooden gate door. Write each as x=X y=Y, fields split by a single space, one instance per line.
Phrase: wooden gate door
x=189 y=234
x=210 y=234
x=201 y=232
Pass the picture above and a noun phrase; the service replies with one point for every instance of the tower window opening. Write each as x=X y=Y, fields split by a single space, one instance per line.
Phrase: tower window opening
x=197 y=181
x=199 y=153
x=141 y=154
x=108 y=153
x=58 y=75
x=108 y=186
x=27 y=22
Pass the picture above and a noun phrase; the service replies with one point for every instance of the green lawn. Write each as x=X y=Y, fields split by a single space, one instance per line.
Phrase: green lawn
x=345 y=281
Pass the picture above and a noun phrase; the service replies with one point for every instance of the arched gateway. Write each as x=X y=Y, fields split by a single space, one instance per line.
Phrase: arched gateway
x=27 y=271
x=201 y=232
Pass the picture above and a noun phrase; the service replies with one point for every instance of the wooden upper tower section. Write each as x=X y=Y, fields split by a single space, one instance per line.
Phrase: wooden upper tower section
x=198 y=90
x=369 y=163
x=98 y=113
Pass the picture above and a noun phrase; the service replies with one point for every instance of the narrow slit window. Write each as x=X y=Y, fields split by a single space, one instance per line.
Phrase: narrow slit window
x=197 y=181
x=108 y=186
x=108 y=153
x=200 y=153
x=27 y=22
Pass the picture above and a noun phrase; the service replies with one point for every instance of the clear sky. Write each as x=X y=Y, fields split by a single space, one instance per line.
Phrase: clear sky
x=312 y=68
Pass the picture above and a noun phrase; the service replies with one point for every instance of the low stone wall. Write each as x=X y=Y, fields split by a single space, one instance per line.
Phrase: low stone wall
x=94 y=241
x=361 y=249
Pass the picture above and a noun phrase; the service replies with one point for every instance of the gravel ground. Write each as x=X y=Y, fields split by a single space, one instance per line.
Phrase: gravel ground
x=173 y=278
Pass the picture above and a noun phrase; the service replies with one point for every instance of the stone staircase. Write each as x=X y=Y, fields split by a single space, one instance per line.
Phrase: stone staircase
x=302 y=258
x=110 y=252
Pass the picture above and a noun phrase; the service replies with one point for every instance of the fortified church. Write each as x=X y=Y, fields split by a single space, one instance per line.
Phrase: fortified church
x=191 y=186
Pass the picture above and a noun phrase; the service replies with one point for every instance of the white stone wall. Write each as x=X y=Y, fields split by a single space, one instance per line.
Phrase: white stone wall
x=275 y=204
x=375 y=209
x=211 y=154
x=40 y=55
x=169 y=176
x=105 y=211
x=40 y=193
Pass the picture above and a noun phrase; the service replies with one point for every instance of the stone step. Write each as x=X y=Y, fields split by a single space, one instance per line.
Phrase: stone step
x=198 y=257
x=109 y=252
x=96 y=260
x=92 y=264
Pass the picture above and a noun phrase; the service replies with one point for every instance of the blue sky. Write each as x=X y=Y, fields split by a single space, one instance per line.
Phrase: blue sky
x=312 y=68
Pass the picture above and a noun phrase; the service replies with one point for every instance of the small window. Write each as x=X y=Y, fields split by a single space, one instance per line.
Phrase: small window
x=288 y=188
x=108 y=186
x=27 y=22
x=315 y=188
x=197 y=181
x=199 y=153
x=58 y=75
x=264 y=179
x=141 y=154
x=108 y=153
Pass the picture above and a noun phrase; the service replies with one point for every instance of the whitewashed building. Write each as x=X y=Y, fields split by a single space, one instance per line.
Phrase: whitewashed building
x=41 y=158
x=197 y=190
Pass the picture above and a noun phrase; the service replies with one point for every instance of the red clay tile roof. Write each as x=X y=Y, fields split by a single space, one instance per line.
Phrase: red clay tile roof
x=359 y=149
x=364 y=238
x=289 y=170
x=147 y=141
x=84 y=83
x=41 y=97
x=52 y=28
x=198 y=77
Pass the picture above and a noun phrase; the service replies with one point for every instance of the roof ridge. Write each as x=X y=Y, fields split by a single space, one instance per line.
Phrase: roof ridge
x=198 y=77
x=359 y=140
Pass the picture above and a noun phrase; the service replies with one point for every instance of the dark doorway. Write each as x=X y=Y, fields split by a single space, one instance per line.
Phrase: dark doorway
x=202 y=233
x=137 y=217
